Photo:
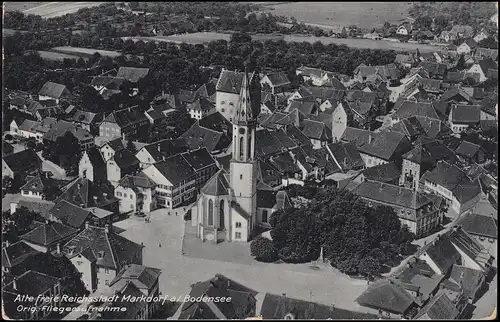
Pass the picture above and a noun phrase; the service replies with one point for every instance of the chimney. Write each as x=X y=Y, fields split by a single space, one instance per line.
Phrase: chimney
x=58 y=248
x=87 y=225
x=47 y=175
x=14 y=283
x=106 y=228
x=283 y=294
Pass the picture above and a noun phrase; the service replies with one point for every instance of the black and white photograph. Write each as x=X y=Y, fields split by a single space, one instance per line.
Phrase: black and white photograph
x=249 y=160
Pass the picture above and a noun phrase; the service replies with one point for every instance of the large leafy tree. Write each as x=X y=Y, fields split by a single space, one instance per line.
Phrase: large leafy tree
x=263 y=250
x=351 y=232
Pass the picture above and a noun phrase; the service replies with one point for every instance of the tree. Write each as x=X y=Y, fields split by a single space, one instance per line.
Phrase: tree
x=263 y=250
x=369 y=266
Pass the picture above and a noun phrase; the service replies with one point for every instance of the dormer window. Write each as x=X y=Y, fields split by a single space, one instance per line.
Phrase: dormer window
x=100 y=254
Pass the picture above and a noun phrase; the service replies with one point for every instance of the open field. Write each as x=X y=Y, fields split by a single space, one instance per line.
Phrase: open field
x=21 y=6
x=85 y=52
x=50 y=55
x=205 y=37
x=56 y=9
x=362 y=14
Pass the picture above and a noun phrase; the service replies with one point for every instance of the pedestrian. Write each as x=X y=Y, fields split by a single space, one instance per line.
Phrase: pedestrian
x=159 y=245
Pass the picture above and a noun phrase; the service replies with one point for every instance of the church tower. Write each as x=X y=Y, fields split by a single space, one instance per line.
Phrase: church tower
x=243 y=177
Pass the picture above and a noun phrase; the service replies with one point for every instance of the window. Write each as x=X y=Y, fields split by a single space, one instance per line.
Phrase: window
x=106 y=282
x=125 y=195
x=238 y=224
x=241 y=148
x=237 y=235
x=131 y=197
x=106 y=270
x=118 y=193
x=241 y=177
x=131 y=206
x=264 y=216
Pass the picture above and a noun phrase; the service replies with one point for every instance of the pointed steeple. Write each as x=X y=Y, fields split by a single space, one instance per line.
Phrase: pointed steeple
x=244 y=113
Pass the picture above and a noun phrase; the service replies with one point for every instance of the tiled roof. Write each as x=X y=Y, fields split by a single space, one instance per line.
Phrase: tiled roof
x=322 y=93
x=199 y=159
x=468 y=279
x=276 y=307
x=453 y=91
x=70 y=214
x=142 y=181
x=175 y=169
x=266 y=198
x=38 y=183
x=60 y=129
x=116 y=144
x=220 y=286
x=487 y=64
x=297 y=136
x=411 y=108
x=387 y=71
x=465 y=113
x=410 y=127
x=132 y=74
x=304 y=106
x=95 y=157
x=391 y=194
x=383 y=173
x=486 y=53
x=278 y=79
x=155 y=114
x=126 y=116
x=53 y=90
x=384 y=145
x=434 y=69
x=202 y=104
x=143 y=277
x=217 y=185
x=387 y=295
x=443 y=253
x=85 y=193
x=230 y=81
x=39 y=206
x=466 y=31
x=109 y=249
x=323 y=158
x=284 y=163
x=198 y=137
x=467 y=149
x=479 y=224
x=267 y=144
x=125 y=309
x=25 y=161
x=16 y=253
x=109 y=82
x=469 y=245
x=125 y=159
x=346 y=155
x=47 y=234
x=32 y=283
x=440 y=307
x=315 y=130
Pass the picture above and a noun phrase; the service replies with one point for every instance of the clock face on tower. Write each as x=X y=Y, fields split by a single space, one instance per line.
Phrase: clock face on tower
x=242 y=130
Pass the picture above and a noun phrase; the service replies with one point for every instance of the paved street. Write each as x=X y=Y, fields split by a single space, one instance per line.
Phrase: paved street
x=56 y=170
x=179 y=272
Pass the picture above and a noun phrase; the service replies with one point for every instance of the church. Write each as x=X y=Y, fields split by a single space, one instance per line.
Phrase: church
x=230 y=206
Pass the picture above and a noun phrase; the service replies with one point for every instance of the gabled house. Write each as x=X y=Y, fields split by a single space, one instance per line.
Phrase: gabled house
x=99 y=254
x=471 y=153
x=414 y=209
x=485 y=53
x=7 y=149
x=467 y=47
x=483 y=34
x=243 y=305
x=87 y=120
x=73 y=216
x=175 y=181
x=282 y=307
x=483 y=227
x=448 y=181
x=32 y=129
x=388 y=299
x=463 y=117
x=123 y=123
x=108 y=149
x=277 y=82
x=468 y=281
x=54 y=91
x=19 y=165
x=92 y=165
x=37 y=185
x=198 y=136
x=30 y=284
x=406 y=60
x=136 y=194
x=15 y=254
x=122 y=163
x=440 y=307
x=200 y=108
x=404 y=29
x=435 y=70
x=317 y=132
x=483 y=68
x=457 y=32
x=107 y=83
x=87 y=194
x=46 y=236
x=345 y=156
x=133 y=75
x=85 y=138
x=202 y=162
x=388 y=73
x=458 y=95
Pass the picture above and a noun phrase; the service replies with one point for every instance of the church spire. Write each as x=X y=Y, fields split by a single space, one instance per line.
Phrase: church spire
x=244 y=112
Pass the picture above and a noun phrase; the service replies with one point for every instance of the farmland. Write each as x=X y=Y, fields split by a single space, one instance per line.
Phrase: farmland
x=205 y=37
x=85 y=52
x=362 y=14
x=50 y=55
x=50 y=9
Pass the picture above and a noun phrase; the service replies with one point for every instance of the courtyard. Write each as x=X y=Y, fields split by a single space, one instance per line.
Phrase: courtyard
x=299 y=281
